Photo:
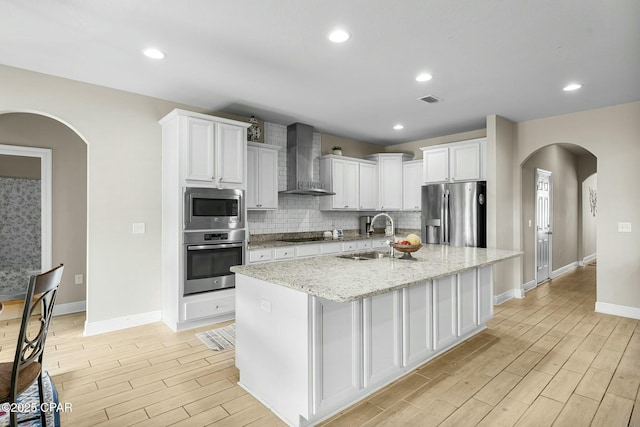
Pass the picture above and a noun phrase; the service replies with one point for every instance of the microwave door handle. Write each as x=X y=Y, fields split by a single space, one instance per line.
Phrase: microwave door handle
x=220 y=246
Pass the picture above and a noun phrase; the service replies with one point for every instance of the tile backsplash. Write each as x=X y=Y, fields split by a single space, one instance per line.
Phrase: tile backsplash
x=298 y=213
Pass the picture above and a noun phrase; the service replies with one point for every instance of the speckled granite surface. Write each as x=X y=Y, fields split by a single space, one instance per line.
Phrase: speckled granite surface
x=260 y=241
x=344 y=280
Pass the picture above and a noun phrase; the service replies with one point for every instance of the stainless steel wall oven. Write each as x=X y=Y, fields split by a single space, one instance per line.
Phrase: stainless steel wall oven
x=208 y=258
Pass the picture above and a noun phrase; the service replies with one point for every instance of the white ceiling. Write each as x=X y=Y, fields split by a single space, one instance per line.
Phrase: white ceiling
x=272 y=58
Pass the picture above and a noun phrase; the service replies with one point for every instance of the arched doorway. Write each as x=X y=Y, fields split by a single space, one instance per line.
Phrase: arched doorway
x=572 y=232
x=29 y=132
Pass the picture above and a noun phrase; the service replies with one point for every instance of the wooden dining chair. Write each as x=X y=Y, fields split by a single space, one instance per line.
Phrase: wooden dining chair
x=19 y=375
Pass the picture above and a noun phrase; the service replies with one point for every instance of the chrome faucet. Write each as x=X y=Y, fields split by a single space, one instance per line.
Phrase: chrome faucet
x=393 y=230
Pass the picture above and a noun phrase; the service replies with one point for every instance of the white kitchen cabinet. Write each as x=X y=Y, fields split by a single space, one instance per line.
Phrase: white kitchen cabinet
x=445 y=307
x=417 y=309
x=485 y=294
x=467 y=302
x=436 y=165
x=464 y=162
x=389 y=179
x=304 y=251
x=458 y=161
x=262 y=176
x=214 y=152
x=368 y=185
x=260 y=255
x=198 y=150
x=382 y=337
x=318 y=357
x=342 y=176
x=412 y=181
x=284 y=252
x=337 y=370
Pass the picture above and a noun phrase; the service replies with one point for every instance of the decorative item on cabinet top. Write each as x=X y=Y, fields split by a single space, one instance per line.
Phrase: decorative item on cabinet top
x=337 y=150
x=254 y=131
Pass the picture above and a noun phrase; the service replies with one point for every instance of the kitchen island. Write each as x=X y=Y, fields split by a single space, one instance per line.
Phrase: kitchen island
x=316 y=335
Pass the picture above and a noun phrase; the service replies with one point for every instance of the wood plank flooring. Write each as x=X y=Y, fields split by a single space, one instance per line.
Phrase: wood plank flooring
x=547 y=359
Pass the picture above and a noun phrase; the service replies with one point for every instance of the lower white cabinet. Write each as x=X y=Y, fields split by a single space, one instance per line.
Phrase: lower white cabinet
x=337 y=353
x=318 y=357
x=417 y=310
x=467 y=301
x=382 y=337
x=485 y=294
x=444 y=307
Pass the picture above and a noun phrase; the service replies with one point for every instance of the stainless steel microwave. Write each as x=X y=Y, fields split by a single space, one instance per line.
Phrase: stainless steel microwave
x=213 y=209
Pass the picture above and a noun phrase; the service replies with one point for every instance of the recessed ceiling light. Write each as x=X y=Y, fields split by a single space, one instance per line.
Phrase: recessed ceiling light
x=339 y=36
x=423 y=77
x=398 y=127
x=154 y=53
x=572 y=86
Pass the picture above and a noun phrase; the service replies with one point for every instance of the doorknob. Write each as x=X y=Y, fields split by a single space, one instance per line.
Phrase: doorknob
x=549 y=232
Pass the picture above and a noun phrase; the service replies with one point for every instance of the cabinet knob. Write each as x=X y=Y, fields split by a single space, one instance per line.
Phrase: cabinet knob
x=261 y=256
x=286 y=253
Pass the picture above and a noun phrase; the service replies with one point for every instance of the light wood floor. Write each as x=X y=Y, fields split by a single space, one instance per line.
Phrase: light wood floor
x=547 y=359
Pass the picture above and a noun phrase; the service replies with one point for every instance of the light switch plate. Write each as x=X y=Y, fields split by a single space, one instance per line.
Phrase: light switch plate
x=138 y=228
x=78 y=279
x=624 y=227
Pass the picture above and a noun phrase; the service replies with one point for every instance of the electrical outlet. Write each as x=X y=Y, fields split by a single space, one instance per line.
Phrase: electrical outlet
x=78 y=279
x=529 y=223
x=138 y=228
x=265 y=305
x=624 y=227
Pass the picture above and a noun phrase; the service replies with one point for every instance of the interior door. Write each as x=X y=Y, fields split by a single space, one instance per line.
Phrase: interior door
x=543 y=225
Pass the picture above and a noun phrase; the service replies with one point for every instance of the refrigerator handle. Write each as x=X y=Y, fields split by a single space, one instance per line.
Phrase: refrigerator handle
x=445 y=217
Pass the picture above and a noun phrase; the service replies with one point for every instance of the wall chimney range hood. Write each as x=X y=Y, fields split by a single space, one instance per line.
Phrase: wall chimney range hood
x=300 y=162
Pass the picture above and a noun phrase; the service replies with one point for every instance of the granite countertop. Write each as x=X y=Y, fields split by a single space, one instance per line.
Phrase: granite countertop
x=275 y=243
x=344 y=280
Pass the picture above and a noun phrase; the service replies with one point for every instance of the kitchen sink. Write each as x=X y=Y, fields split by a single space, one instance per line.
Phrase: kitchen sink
x=363 y=256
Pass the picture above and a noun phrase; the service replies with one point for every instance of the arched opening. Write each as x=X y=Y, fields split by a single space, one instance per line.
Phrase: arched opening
x=572 y=212
x=29 y=132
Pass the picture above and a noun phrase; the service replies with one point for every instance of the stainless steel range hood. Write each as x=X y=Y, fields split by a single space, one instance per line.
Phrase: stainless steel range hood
x=300 y=162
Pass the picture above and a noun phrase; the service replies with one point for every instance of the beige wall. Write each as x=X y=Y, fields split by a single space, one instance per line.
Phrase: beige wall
x=612 y=134
x=500 y=203
x=69 y=191
x=350 y=147
x=124 y=169
x=18 y=166
x=563 y=166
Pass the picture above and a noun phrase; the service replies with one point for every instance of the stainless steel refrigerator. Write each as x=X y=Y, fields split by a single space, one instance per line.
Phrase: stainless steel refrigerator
x=455 y=214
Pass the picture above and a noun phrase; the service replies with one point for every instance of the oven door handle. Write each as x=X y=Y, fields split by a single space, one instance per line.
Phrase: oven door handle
x=220 y=246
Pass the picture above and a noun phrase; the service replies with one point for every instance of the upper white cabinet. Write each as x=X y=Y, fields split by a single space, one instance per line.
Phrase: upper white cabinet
x=368 y=186
x=262 y=176
x=342 y=176
x=459 y=161
x=389 y=179
x=211 y=150
x=412 y=181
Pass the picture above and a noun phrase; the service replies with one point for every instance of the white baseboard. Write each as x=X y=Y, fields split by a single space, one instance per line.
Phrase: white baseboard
x=586 y=260
x=567 y=268
x=618 y=310
x=104 y=326
x=70 y=307
x=503 y=297
x=518 y=293
x=529 y=285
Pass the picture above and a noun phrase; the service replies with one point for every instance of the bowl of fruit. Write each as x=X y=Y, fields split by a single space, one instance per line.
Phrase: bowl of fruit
x=409 y=244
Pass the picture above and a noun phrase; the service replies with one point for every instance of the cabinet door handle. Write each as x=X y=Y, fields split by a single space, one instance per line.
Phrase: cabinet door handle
x=346 y=206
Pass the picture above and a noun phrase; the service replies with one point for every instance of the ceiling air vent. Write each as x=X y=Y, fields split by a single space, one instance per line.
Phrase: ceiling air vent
x=430 y=99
